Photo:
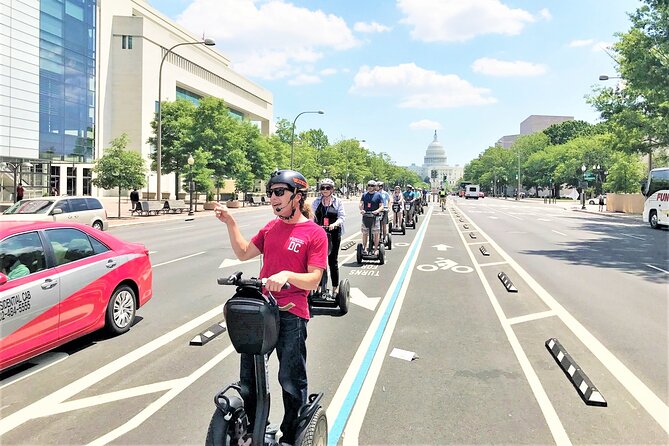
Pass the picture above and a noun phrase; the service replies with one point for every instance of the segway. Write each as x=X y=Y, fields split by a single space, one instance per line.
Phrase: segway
x=368 y=219
x=387 y=239
x=409 y=218
x=253 y=324
x=394 y=229
x=321 y=301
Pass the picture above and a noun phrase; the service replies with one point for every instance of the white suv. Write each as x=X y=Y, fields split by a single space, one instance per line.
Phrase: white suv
x=85 y=210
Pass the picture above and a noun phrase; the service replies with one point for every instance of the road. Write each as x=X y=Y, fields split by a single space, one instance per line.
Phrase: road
x=481 y=371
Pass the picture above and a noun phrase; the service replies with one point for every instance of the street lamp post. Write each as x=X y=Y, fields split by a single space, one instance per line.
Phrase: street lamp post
x=191 y=161
x=292 y=133
x=15 y=171
x=207 y=42
x=583 y=168
x=518 y=191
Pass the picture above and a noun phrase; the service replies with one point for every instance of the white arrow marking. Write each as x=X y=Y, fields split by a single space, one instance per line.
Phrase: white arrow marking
x=359 y=298
x=442 y=247
x=232 y=262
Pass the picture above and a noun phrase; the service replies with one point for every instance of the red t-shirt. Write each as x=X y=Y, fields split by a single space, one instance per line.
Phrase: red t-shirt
x=287 y=247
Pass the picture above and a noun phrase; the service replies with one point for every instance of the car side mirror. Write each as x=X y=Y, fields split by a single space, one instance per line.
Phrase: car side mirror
x=56 y=211
x=3 y=279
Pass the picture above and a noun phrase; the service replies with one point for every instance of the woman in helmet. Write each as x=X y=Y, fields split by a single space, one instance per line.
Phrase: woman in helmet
x=329 y=213
x=294 y=251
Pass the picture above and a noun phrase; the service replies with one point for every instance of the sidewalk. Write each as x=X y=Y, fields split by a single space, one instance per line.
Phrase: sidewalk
x=573 y=206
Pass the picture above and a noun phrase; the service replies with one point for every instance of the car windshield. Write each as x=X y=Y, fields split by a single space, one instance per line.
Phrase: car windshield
x=30 y=207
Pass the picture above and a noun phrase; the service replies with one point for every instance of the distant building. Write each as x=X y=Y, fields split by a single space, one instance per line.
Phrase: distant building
x=435 y=166
x=532 y=124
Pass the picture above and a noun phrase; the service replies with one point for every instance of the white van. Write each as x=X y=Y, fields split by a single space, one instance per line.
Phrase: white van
x=85 y=210
x=472 y=191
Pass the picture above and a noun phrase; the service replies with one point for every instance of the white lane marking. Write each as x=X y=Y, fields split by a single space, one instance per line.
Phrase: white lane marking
x=180 y=228
x=650 y=402
x=647 y=264
x=492 y=263
x=494 y=218
x=49 y=402
x=356 y=417
x=179 y=259
x=154 y=407
x=478 y=243
x=551 y=416
x=531 y=317
x=233 y=262
x=558 y=232
x=110 y=397
x=42 y=362
x=633 y=236
x=544 y=219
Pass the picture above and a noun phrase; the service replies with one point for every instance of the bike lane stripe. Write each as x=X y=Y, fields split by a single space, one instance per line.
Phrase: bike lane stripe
x=344 y=400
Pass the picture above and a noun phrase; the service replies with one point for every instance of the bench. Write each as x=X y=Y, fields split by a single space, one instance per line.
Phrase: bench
x=174 y=206
x=148 y=208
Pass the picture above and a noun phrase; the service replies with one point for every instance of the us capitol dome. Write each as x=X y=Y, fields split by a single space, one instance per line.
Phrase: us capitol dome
x=435 y=169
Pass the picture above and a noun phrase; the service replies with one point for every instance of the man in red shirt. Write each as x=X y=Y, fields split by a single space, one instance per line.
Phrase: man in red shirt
x=294 y=251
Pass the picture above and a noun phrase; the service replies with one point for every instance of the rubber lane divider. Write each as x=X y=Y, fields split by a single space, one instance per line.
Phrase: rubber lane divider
x=507 y=282
x=472 y=235
x=347 y=245
x=484 y=251
x=588 y=392
x=209 y=334
x=466 y=226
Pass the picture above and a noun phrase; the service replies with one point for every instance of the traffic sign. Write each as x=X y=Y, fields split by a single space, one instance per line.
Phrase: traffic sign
x=589 y=177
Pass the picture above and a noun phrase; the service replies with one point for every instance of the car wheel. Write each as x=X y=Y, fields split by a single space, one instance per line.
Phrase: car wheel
x=591 y=202
x=120 y=310
x=97 y=224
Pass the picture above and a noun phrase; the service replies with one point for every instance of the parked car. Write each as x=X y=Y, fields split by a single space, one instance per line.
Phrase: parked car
x=60 y=281
x=481 y=194
x=595 y=200
x=86 y=210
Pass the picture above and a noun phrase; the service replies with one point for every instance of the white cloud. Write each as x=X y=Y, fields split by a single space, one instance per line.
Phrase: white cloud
x=305 y=79
x=457 y=20
x=372 y=27
x=579 y=43
x=425 y=124
x=418 y=88
x=268 y=39
x=328 y=71
x=494 y=67
x=545 y=14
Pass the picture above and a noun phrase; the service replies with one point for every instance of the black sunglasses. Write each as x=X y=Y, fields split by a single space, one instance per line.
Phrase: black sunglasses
x=279 y=191
x=326 y=187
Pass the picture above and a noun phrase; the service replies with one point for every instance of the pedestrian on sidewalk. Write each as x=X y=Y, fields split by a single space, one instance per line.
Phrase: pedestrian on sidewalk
x=19 y=193
x=134 y=198
x=601 y=202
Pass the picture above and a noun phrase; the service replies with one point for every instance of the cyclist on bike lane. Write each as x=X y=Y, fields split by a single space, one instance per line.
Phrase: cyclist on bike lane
x=371 y=201
x=385 y=196
x=294 y=251
x=329 y=212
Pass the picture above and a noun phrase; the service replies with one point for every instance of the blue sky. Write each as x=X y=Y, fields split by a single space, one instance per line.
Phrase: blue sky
x=391 y=72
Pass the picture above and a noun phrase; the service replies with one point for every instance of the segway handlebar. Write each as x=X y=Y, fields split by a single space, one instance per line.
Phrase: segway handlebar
x=235 y=279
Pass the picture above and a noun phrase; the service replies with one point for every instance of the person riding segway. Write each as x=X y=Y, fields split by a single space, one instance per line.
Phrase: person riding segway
x=294 y=251
x=397 y=200
x=385 y=235
x=329 y=214
x=410 y=217
x=371 y=206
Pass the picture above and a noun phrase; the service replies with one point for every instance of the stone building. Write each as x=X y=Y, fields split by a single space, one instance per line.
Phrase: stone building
x=435 y=168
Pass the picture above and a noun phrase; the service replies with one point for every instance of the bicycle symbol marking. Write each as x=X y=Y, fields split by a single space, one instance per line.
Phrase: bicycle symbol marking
x=445 y=264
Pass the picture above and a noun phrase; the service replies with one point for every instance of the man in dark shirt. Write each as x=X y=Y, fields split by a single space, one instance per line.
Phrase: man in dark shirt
x=134 y=198
x=371 y=201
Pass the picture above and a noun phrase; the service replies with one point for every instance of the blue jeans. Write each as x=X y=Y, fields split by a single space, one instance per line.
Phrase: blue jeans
x=291 y=349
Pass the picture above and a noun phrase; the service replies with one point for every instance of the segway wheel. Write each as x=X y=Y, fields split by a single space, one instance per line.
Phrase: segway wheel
x=316 y=433
x=382 y=255
x=389 y=242
x=359 y=254
x=404 y=229
x=343 y=296
x=217 y=434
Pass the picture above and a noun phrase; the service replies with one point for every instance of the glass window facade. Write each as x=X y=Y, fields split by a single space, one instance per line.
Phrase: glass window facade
x=67 y=79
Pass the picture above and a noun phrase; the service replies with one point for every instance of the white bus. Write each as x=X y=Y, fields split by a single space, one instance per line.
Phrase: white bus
x=472 y=191
x=656 y=191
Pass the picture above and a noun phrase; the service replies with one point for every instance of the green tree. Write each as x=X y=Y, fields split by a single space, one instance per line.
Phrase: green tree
x=638 y=112
x=625 y=174
x=119 y=168
x=568 y=130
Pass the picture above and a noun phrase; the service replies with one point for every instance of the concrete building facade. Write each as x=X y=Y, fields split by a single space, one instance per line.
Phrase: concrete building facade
x=532 y=124
x=75 y=74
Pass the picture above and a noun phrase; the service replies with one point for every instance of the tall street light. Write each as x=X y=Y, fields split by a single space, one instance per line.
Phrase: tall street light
x=15 y=170
x=604 y=77
x=292 y=133
x=207 y=42
x=191 y=161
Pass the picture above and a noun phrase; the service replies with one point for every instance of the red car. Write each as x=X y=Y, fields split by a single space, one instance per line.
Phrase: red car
x=60 y=281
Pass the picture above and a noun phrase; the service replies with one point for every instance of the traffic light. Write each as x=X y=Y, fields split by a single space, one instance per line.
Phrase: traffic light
x=445 y=178
x=433 y=174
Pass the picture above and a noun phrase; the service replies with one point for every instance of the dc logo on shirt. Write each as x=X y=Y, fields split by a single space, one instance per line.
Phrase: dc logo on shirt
x=295 y=244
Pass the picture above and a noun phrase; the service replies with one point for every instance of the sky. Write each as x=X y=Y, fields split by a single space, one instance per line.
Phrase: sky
x=391 y=72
